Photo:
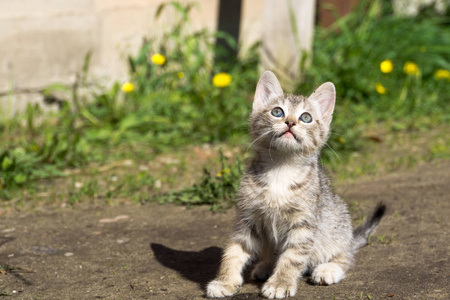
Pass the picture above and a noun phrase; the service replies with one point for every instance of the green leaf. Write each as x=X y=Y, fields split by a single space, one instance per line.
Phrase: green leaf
x=20 y=178
x=6 y=163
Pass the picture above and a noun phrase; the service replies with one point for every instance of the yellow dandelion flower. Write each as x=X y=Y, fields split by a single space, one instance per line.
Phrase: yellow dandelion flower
x=127 y=87
x=222 y=172
x=386 y=66
x=221 y=80
x=411 y=68
x=442 y=74
x=180 y=75
x=158 y=59
x=380 y=88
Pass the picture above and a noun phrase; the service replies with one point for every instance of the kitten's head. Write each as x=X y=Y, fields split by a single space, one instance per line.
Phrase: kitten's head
x=291 y=123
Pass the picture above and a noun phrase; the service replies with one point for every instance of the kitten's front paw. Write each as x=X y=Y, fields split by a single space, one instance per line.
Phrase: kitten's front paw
x=279 y=290
x=327 y=274
x=220 y=289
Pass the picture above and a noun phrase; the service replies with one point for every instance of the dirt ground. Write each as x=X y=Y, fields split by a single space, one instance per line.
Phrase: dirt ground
x=171 y=252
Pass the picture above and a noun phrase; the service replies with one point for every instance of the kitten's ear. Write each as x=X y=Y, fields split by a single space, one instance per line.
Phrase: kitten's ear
x=268 y=88
x=325 y=95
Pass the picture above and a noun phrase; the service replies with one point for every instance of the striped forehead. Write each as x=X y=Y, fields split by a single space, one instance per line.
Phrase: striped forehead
x=290 y=101
x=293 y=99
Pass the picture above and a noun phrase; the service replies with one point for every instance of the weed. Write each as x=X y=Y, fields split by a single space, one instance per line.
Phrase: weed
x=384 y=240
x=368 y=238
x=218 y=190
x=5 y=268
x=367 y=296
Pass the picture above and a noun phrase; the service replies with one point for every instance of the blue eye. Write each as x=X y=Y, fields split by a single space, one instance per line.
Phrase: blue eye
x=306 y=118
x=277 y=112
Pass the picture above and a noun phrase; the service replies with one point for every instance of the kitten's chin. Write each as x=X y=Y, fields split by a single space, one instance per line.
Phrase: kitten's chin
x=287 y=142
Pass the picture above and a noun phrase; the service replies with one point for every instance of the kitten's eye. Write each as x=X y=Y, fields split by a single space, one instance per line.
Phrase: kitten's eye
x=306 y=118
x=277 y=112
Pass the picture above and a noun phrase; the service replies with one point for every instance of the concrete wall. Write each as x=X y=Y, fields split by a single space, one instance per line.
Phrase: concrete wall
x=45 y=41
x=412 y=7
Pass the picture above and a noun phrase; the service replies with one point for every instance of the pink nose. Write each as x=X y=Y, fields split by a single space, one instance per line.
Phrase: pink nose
x=290 y=124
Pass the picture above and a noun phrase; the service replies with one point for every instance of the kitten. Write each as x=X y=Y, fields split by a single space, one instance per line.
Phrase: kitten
x=287 y=215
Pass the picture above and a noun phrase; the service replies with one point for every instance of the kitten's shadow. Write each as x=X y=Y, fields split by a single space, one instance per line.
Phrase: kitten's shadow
x=197 y=266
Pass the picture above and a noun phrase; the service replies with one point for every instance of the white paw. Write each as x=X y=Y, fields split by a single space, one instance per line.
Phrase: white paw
x=262 y=271
x=278 y=290
x=329 y=273
x=220 y=289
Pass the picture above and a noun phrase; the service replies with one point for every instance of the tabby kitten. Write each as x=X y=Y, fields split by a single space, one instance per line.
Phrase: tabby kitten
x=287 y=215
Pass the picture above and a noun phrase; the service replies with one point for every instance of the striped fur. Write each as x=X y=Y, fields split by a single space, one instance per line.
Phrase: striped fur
x=288 y=217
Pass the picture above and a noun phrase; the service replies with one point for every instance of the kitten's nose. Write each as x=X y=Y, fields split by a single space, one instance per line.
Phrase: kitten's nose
x=290 y=123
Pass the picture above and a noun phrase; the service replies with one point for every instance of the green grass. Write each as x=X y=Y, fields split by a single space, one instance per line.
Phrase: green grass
x=2 y=293
x=385 y=240
x=217 y=190
x=176 y=106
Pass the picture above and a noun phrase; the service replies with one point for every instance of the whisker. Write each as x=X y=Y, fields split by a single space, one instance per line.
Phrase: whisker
x=270 y=147
x=333 y=151
x=258 y=138
x=333 y=132
x=245 y=135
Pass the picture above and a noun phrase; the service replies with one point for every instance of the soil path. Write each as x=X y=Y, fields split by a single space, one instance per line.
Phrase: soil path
x=171 y=252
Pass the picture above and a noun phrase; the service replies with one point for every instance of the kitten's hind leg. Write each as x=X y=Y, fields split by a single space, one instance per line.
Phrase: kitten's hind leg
x=333 y=271
x=264 y=267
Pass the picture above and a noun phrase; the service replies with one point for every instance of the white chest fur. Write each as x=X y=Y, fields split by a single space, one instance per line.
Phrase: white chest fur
x=280 y=181
x=281 y=194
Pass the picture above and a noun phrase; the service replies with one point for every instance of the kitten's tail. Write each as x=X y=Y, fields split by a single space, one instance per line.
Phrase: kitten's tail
x=361 y=234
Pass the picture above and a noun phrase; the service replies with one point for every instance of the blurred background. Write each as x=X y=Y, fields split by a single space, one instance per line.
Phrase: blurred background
x=148 y=100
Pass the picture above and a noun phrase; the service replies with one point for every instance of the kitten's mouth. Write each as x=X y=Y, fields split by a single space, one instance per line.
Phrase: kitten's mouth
x=288 y=134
